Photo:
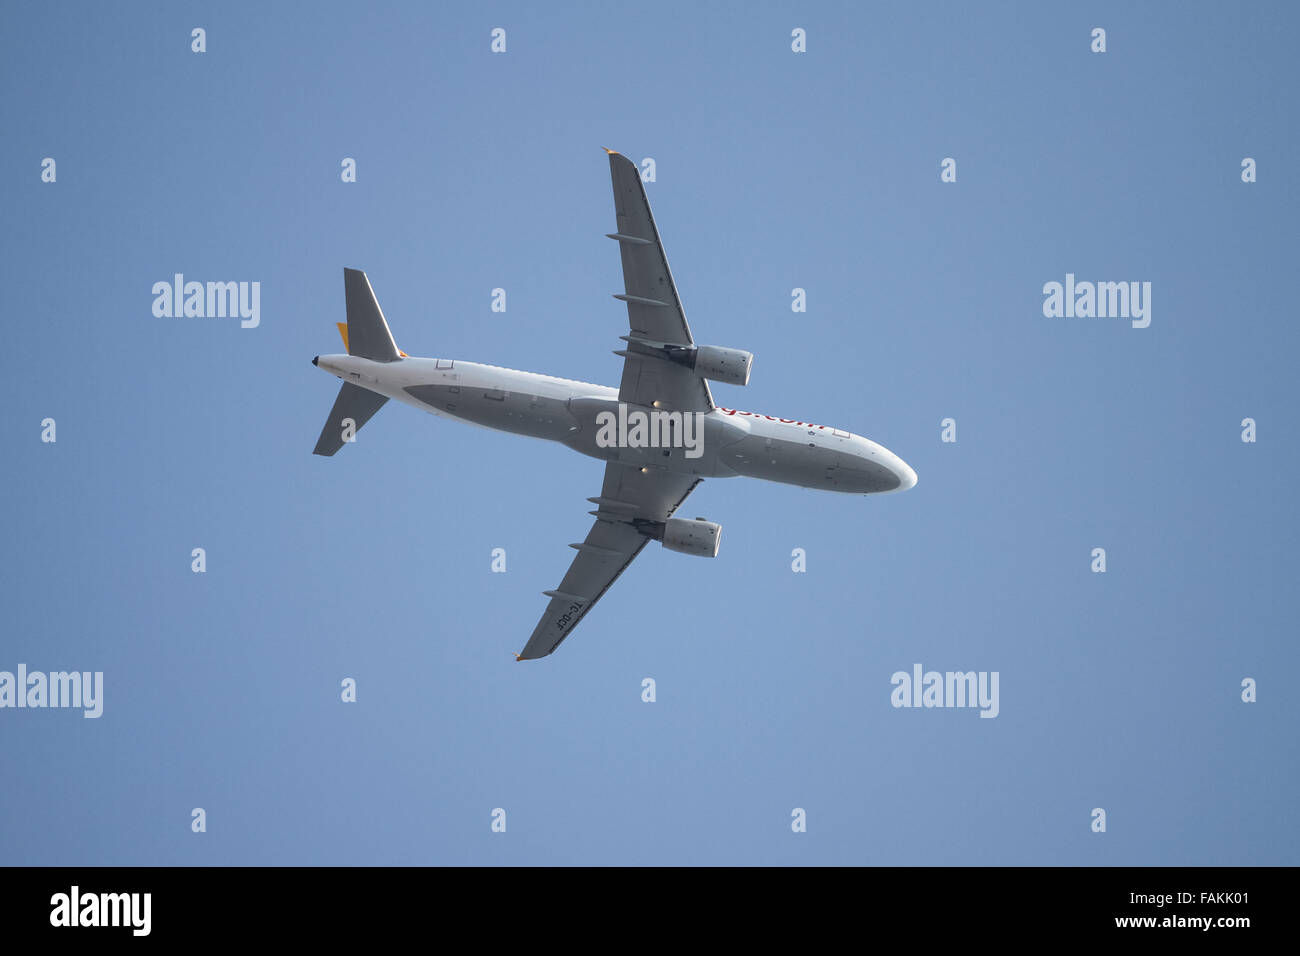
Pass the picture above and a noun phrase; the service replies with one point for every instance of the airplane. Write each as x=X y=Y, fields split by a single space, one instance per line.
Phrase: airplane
x=659 y=433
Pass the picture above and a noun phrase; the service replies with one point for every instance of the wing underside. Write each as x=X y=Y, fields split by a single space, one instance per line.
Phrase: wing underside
x=654 y=310
x=628 y=495
x=631 y=498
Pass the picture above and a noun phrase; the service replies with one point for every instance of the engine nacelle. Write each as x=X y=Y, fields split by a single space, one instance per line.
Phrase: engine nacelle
x=723 y=365
x=692 y=536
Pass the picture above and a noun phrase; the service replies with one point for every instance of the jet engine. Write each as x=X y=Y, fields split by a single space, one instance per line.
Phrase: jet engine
x=731 y=366
x=692 y=536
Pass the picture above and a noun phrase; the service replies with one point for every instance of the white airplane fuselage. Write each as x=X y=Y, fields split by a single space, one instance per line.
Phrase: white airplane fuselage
x=729 y=442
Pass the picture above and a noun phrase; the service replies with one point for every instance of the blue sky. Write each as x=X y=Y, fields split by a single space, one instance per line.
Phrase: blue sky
x=774 y=170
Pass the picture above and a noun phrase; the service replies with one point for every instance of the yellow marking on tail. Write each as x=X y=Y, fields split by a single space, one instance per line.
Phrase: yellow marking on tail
x=343 y=332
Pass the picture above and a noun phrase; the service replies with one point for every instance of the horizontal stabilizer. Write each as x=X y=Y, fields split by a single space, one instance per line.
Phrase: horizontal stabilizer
x=355 y=404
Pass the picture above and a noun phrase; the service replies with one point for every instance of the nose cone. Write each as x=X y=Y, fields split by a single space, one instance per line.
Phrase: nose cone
x=906 y=476
x=874 y=470
x=316 y=361
x=892 y=473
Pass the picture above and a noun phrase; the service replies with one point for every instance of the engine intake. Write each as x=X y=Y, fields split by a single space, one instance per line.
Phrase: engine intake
x=692 y=536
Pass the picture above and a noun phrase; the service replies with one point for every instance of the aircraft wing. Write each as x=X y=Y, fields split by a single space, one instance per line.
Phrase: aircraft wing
x=654 y=311
x=627 y=496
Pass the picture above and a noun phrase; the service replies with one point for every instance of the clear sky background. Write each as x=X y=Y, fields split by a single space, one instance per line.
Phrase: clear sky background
x=775 y=170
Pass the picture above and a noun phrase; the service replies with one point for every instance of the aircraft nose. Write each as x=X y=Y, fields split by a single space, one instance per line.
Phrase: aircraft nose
x=906 y=476
x=883 y=471
x=316 y=361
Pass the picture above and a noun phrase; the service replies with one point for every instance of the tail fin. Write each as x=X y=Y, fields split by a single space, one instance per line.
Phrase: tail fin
x=365 y=335
x=368 y=335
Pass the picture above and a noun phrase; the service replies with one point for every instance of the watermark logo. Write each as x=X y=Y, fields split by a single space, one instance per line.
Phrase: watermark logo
x=82 y=689
x=636 y=428
x=947 y=689
x=75 y=908
x=213 y=300
x=1102 y=300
